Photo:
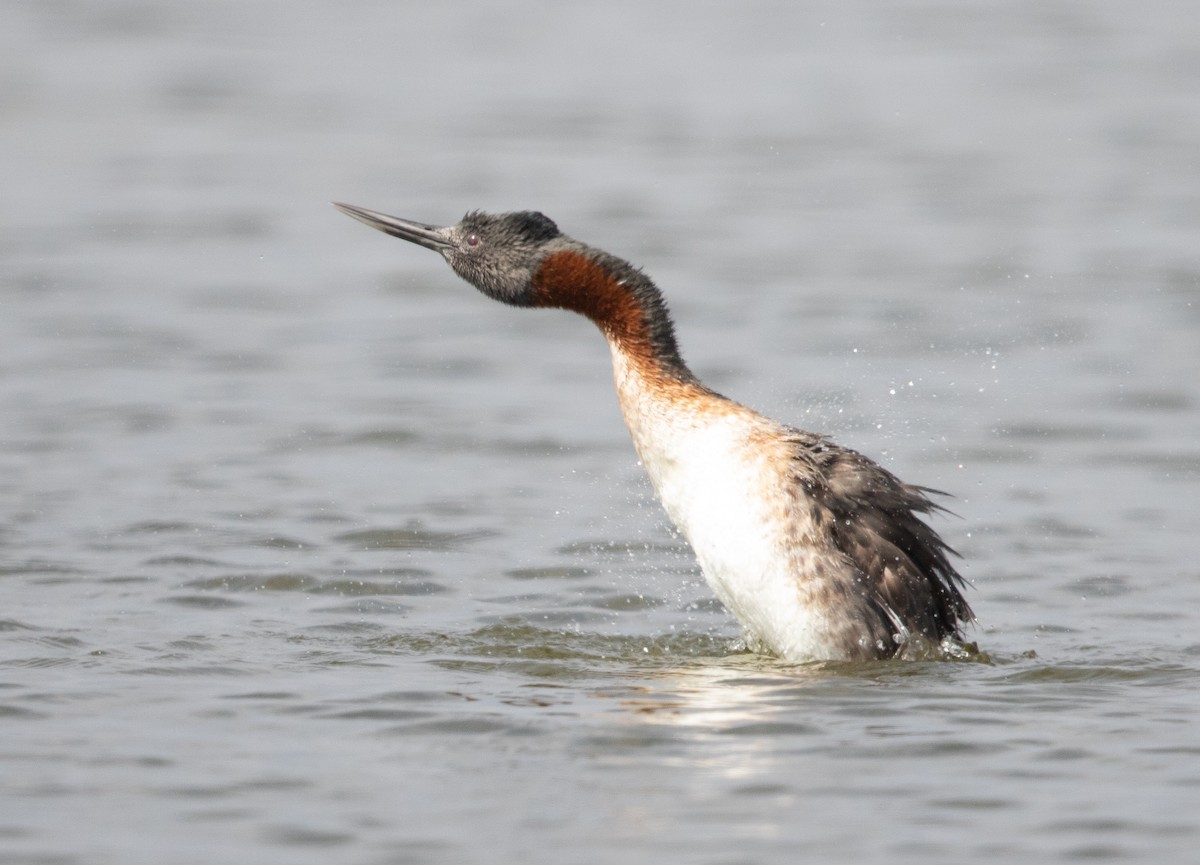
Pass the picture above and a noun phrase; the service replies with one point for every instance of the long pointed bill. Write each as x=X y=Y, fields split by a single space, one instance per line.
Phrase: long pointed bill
x=428 y=236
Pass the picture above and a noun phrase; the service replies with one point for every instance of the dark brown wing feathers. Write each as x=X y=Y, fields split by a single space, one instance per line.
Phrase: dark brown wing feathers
x=875 y=521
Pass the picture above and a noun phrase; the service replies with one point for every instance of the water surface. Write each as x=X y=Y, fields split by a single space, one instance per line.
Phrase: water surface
x=309 y=553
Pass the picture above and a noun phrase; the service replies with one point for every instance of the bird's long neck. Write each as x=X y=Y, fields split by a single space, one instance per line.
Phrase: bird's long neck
x=621 y=300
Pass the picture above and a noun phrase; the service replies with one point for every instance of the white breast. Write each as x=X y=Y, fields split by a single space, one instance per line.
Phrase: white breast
x=722 y=473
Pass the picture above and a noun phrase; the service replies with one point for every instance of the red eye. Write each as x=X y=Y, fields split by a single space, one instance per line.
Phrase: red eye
x=472 y=240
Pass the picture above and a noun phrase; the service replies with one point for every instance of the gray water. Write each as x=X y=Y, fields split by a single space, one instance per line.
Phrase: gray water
x=309 y=553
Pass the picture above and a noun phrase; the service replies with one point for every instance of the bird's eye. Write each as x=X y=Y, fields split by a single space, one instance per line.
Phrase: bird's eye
x=472 y=240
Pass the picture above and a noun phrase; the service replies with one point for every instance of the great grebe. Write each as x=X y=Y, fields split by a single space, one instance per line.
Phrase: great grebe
x=819 y=552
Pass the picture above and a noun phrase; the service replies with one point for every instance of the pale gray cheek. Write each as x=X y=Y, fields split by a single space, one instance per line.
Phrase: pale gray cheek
x=465 y=271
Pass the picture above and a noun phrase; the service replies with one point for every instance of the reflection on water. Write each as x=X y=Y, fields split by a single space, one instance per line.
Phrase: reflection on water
x=306 y=551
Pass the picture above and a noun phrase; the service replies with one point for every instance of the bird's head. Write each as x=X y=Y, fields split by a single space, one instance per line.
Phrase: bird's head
x=497 y=253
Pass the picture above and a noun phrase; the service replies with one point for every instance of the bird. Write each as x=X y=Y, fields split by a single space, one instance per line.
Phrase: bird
x=817 y=551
